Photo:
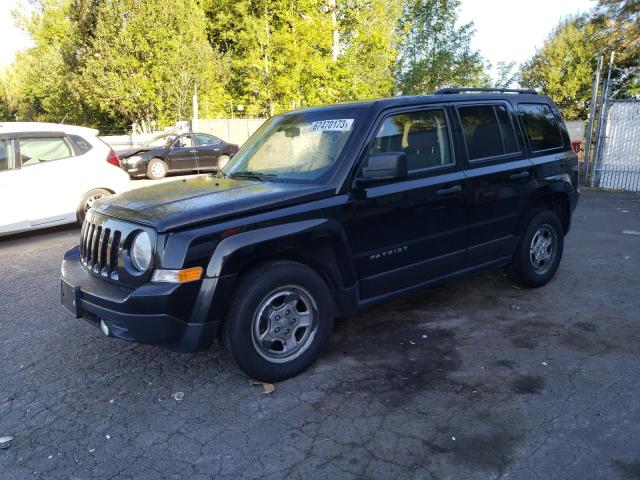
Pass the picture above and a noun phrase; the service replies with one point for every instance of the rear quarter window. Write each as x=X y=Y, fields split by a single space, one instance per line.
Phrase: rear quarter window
x=540 y=126
x=81 y=146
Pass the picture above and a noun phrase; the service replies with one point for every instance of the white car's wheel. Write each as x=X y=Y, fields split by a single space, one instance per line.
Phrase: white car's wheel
x=88 y=200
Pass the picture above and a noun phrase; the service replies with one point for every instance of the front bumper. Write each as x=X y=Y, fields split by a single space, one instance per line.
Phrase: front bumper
x=153 y=313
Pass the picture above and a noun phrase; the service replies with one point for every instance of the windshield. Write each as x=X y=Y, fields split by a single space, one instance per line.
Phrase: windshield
x=299 y=146
x=161 y=140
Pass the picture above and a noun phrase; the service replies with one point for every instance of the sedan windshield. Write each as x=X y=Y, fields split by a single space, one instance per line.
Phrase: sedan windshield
x=161 y=141
x=299 y=146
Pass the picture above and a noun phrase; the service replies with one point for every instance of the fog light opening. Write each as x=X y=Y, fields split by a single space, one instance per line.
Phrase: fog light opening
x=104 y=328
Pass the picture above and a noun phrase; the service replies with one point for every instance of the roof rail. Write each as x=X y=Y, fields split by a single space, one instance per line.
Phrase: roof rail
x=453 y=91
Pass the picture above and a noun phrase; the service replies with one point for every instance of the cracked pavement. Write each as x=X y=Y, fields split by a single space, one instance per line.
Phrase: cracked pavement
x=472 y=379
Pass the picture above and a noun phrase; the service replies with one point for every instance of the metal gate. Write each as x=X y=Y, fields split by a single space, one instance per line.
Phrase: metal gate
x=616 y=163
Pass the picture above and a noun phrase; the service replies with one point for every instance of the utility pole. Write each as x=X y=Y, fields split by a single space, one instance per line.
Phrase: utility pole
x=335 y=51
x=591 y=122
x=194 y=120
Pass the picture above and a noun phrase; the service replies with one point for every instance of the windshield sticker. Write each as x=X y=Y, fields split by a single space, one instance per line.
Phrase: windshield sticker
x=338 y=125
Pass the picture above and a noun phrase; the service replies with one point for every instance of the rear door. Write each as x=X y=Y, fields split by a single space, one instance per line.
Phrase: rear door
x=183 y=155
x=409 y=232
x=47 y=177
x=499 y=177
x=208 y=149
x=13 y=212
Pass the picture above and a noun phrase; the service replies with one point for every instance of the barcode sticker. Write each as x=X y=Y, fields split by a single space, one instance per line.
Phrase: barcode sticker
x=338 y=125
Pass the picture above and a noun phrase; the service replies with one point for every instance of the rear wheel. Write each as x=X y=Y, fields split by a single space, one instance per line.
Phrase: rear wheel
x=157 y=169
x=280 y=320
x=539 y=252
x=88 y=200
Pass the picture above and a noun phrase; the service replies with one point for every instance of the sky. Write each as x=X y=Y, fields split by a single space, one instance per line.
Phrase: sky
x=512 y=30
x=506 y=30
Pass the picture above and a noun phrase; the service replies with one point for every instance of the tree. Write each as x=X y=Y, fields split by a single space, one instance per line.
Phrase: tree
x=368 y=49
x=434 y=52
x=564 y=67
x=618 y=29
x=133 y=69
x=8 y=98
x=43 y=80
x=292 y=53
x=507 y=75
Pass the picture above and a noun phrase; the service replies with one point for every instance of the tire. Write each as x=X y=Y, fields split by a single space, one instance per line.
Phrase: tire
x=157 y=169
x=87 y=201
x=265 y=330
x=539 y=251
x=222 y=161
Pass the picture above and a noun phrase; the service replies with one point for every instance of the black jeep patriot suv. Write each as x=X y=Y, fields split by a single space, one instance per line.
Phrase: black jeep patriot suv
x=324 y=211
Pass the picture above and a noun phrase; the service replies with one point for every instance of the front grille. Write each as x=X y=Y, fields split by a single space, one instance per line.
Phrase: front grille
x=100 y=248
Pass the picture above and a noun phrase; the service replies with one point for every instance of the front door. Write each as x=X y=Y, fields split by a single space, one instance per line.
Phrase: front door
x=499 y=177
x=183 y=155
x=410 y=232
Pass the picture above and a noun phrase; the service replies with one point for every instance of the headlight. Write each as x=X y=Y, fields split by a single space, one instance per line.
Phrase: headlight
x=141 y=251
x=133 y=159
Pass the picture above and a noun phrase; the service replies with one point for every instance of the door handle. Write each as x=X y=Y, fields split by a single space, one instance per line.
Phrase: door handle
x=449 y=190
x=518 y=175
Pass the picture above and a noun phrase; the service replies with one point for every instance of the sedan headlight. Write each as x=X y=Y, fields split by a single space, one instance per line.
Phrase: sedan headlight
x=134 y=159
x=141 y=251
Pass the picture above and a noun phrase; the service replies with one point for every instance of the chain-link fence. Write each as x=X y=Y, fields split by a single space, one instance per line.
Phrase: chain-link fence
x=617 y=152
x=612 y=147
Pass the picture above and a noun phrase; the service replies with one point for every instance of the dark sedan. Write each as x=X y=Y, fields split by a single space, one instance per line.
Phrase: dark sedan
x=177 y=153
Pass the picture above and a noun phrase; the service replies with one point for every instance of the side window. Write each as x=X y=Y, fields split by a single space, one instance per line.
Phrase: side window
x=506 y=129
x=185 y=141
x=541 y=126
x=202 y=140
x=81 y=145
x=6 y=155
x=36 y=150
x=422 y=136
x=488 y=131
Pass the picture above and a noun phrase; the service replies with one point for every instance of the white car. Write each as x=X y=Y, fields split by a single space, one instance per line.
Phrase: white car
x=50 y=174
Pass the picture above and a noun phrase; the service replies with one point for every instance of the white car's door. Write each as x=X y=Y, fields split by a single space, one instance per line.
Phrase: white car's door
x=48 y=178
x=13 y=212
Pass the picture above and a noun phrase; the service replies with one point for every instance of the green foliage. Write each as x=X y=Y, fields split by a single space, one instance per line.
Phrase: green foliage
x=116 y=62
x=281 y=52
x=507 y=75
x=563 y=68
x=435 y=52
x=144 y=58
x=618 y=26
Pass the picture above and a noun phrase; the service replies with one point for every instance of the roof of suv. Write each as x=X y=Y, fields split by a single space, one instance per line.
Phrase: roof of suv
x=443 y=95
x=18 y=127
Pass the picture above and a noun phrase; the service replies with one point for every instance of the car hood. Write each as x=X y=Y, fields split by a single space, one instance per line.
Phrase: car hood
x=132 y=151
x=180 y=203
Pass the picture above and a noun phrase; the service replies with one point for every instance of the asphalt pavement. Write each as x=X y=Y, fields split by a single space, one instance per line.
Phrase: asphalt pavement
x=472 y=379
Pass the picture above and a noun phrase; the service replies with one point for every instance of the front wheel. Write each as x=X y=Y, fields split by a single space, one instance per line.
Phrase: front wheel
x=280 y=320
x=88 y=200
x=157 y=169
x=538 y=254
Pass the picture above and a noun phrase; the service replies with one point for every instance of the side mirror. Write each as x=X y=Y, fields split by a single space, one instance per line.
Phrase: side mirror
x=382 y=167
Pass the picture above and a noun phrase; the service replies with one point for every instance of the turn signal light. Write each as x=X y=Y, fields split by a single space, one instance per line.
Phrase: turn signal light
x=177 y=276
